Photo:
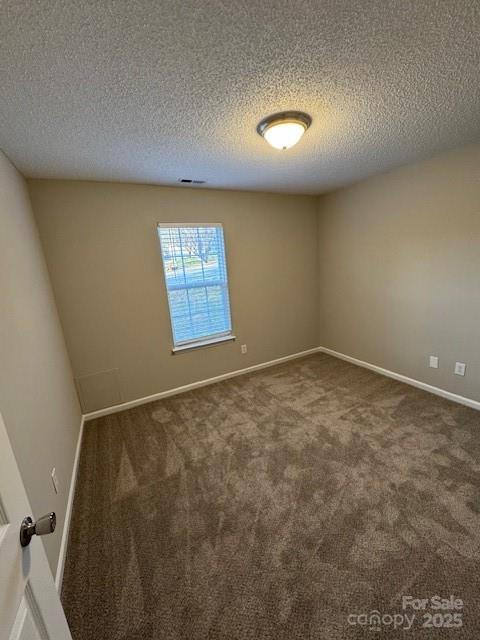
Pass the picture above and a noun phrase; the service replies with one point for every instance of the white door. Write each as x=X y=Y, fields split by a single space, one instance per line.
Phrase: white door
x=30 y=608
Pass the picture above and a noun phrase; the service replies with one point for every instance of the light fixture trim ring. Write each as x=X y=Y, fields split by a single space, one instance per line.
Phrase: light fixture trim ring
x=283 y=116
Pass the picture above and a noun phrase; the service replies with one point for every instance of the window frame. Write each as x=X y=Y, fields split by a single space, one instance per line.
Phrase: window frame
x=211 y=339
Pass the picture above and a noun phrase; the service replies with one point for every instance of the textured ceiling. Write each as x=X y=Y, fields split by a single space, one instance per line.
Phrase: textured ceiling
x=153 y=91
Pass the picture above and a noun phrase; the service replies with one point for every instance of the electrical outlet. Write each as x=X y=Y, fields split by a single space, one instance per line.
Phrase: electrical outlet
x=460 y=368
x=55 y=480
x=434 y=362
x=244 y=348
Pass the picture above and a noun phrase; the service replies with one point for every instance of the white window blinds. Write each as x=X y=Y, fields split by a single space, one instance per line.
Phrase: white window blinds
x=196 y=279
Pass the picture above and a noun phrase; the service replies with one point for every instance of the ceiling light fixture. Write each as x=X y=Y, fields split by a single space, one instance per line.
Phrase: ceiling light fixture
x=284 y=130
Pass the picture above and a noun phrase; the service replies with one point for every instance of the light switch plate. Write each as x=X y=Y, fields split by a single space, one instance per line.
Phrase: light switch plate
x=434 y=362
x=55 y=480
x=460 y=368
x=244 y=348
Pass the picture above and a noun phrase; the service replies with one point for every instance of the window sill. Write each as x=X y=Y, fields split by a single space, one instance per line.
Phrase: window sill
x=202 y=343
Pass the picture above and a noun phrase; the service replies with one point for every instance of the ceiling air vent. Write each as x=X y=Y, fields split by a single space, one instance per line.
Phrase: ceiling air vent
x=190 y=181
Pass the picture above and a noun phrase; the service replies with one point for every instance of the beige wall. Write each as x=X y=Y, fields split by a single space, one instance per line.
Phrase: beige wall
x=394 y=278
x=103 y=255
x=37 y=395
x=399 y=270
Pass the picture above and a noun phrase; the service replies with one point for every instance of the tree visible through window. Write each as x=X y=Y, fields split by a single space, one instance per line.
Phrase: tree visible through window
x=196 y=279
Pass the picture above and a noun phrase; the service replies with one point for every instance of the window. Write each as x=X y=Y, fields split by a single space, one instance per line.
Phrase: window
x=197 y=285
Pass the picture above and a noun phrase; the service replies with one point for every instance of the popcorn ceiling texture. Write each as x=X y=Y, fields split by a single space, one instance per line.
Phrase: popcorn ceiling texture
x=157 y=91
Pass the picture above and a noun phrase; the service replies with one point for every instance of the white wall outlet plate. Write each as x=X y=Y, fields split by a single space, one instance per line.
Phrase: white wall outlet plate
x=460 y=368
x=434 y=362
x=244 y=348
x=55 y=480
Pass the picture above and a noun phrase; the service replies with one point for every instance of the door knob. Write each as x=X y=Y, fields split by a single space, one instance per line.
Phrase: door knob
x=28 y=528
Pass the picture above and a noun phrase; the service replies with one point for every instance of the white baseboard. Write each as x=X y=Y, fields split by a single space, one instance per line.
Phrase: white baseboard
x=474 y=404
x=68 y=511
x=194 y=385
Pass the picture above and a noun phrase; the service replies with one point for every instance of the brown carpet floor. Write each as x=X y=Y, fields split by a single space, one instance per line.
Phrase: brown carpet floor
x=273 y=506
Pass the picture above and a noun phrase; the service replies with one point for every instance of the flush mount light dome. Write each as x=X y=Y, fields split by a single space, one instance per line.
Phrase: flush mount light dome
x=284 y=130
